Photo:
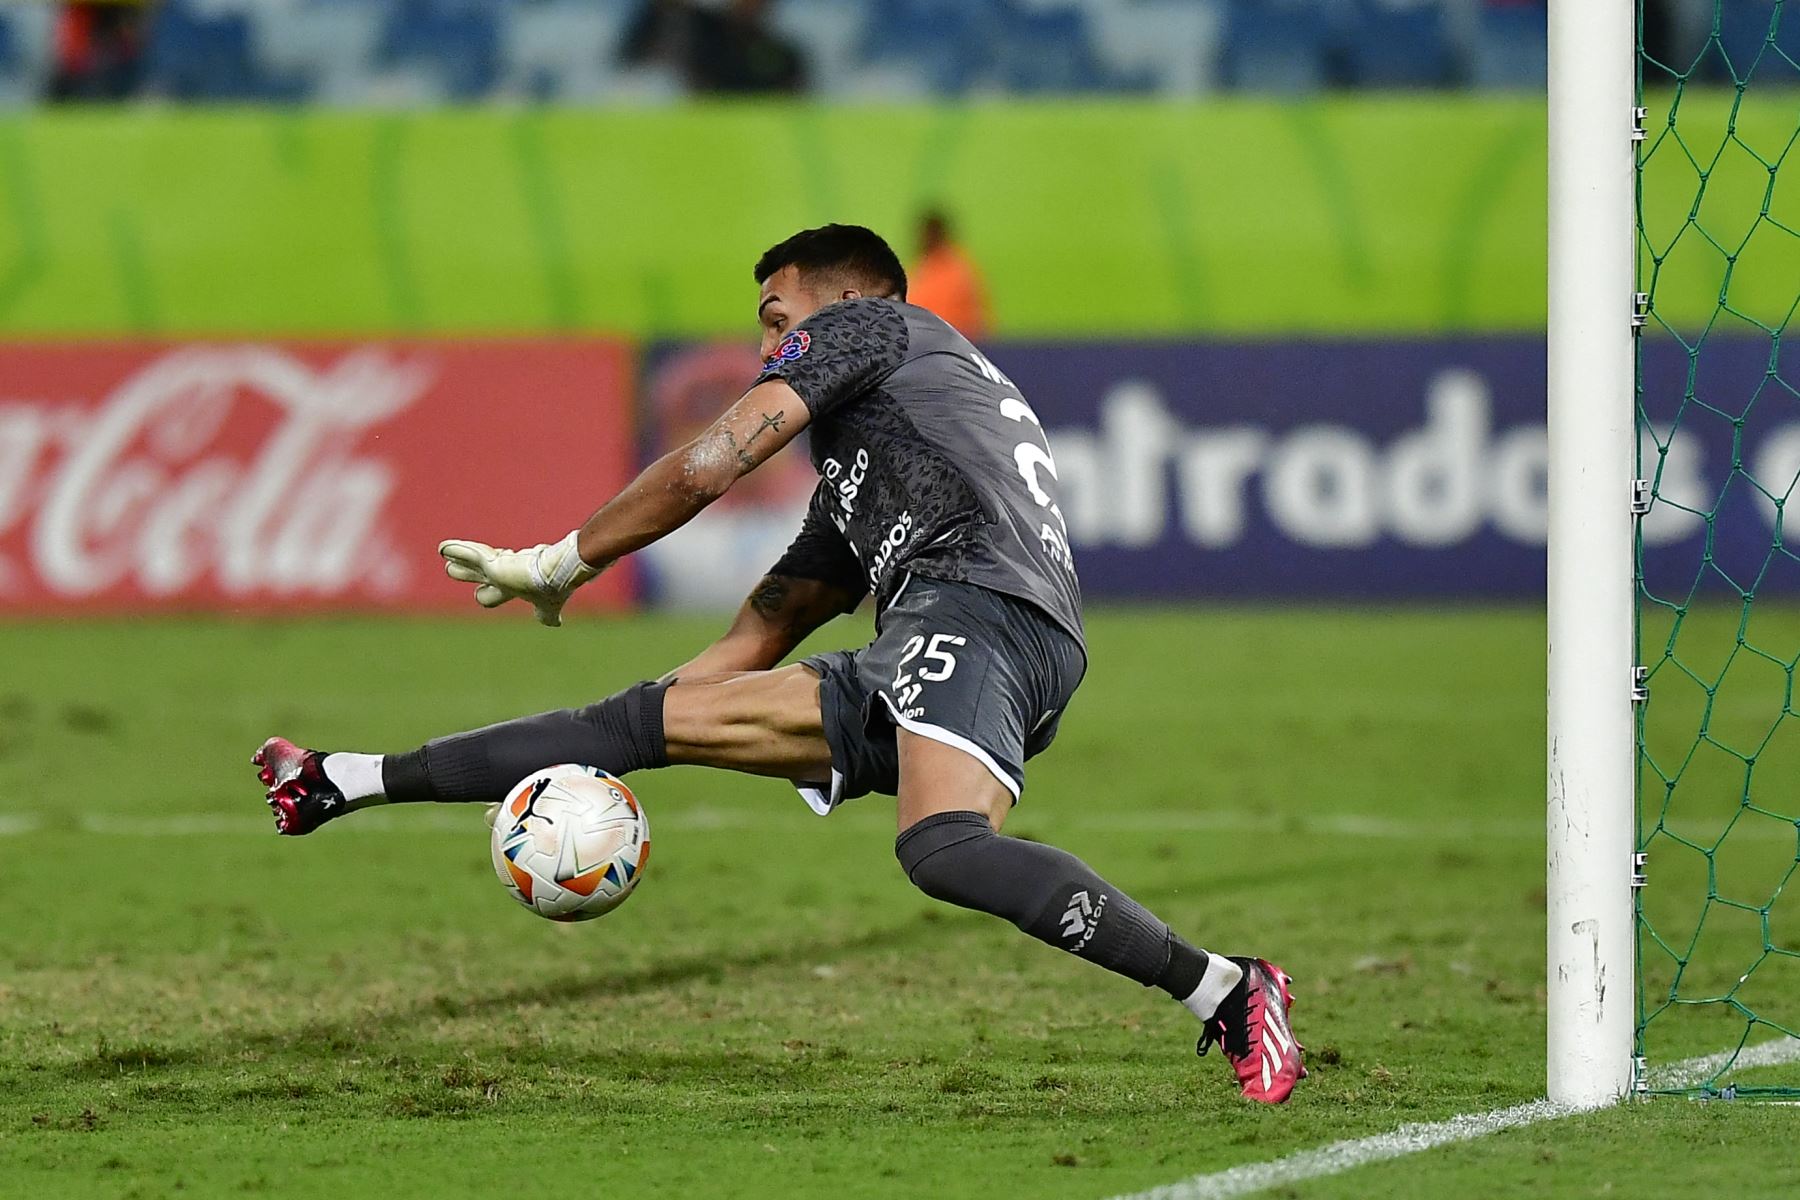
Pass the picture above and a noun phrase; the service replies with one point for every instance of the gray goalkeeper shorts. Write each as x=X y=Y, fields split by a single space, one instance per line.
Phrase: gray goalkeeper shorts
x=972 y=668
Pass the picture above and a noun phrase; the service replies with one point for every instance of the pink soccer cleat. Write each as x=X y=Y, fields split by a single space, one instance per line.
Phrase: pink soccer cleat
x=299 y=794
x=1252 y=1028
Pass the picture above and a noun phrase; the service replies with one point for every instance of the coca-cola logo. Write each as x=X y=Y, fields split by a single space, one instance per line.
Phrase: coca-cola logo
x=233 y=469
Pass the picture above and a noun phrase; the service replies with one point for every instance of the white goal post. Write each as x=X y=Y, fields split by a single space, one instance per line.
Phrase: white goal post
x=1592 y=740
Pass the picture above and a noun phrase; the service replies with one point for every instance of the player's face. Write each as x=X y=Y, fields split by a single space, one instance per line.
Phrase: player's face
x=787 y=300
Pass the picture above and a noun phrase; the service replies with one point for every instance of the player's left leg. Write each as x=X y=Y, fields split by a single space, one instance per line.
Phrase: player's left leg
x=967 y=684
x=759 y=722
x=951 y=808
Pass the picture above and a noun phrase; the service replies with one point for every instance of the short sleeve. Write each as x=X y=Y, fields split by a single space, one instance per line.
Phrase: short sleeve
x=839 y=352
x=820 y=552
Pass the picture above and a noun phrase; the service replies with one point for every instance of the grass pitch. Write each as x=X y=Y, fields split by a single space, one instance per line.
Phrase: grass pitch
x=190 y=1006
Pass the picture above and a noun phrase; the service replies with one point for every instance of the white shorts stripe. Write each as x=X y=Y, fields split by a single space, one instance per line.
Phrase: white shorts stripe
x=938 y=733
x=823 y=799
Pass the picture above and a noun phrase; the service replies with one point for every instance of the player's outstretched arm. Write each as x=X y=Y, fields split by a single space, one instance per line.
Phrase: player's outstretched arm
x=673 y=490
x=779 y=614
x=668 y=494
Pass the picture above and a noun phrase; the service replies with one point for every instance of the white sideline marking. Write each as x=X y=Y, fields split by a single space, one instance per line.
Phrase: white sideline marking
x=427 y=818
x=1696 y=1070
x=433 y=818
x=422 y=819
x=1413 y=1139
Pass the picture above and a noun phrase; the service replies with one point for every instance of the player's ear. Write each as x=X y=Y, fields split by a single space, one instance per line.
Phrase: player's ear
x=850 y=294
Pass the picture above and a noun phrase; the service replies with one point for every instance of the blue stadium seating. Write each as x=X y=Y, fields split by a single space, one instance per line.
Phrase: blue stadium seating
x=24 y=53
x=1278 y=45
x=1158 y=46
x=1744 y=34
x=1511 y=47
x=423 y=51
x=193 y=56
x=831 y=34
x=1397 y=43
x=1047 y=51
x=946 y=41
x=458 y=40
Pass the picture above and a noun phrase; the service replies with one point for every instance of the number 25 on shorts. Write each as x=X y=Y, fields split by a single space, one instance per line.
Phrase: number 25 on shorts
x=938 y=665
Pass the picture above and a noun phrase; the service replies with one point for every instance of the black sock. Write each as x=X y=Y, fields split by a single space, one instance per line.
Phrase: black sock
x=1185 y=967
x=1048 y=893
x=619 y=734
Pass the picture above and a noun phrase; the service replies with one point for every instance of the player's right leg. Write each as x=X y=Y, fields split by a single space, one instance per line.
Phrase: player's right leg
x=758 y=722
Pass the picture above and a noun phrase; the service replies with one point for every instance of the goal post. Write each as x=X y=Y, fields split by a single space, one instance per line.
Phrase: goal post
x=1590 y=823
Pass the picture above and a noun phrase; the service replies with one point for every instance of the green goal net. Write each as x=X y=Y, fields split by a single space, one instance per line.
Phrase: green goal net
x=1718 y=550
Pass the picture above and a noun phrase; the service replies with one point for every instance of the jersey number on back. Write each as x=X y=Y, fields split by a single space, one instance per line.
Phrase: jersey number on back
x=1030 y=457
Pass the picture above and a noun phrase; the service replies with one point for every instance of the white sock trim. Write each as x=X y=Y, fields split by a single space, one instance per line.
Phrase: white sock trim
x=1221 y=976
x=358 y=776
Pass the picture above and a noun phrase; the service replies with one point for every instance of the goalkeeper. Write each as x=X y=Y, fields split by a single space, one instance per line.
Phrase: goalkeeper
x=938 y=495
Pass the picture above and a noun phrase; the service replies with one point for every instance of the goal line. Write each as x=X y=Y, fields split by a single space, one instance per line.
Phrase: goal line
x=1339 y=1157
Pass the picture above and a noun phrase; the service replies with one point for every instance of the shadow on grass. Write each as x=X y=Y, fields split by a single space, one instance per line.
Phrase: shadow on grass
x=112 y=1059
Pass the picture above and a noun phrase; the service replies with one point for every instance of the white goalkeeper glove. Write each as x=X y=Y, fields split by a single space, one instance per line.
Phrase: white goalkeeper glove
x=544 y=576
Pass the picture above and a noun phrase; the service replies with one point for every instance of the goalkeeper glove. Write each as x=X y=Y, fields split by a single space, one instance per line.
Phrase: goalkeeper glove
x=544 y=576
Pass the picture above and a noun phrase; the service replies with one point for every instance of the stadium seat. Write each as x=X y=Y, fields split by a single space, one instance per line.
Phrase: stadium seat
x=1510 y=49
x=563 y=49
x=1397 y=43
x=1044 y=49
x=948 y=42
x=15 y=89
x=329 y=43
x=1166 y=46
x=829 y=32
x=418 y=51
x=192 y=55
x=1278 y=45
x=457 y=41
x=25 y=31
x=1744 y=37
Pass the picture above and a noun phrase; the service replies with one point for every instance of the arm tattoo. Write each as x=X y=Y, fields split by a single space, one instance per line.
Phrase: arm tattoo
x=770 y=421
x=745 y=460
x=770 y=597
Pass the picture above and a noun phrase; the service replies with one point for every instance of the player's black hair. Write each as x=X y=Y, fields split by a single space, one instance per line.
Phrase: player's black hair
x=859 y=254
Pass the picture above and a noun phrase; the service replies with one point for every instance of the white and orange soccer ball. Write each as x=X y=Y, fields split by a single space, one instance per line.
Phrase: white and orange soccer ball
x=570 y=842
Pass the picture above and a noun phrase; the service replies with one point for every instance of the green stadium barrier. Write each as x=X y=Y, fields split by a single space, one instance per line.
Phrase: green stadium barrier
x=1363 y=216
x=1356 y=215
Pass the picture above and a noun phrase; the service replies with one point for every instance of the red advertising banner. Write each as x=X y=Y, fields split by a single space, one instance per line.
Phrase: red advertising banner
x=296 y=476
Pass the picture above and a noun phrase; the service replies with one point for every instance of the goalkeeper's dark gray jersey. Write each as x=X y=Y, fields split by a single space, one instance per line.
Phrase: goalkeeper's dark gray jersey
x=931 y=462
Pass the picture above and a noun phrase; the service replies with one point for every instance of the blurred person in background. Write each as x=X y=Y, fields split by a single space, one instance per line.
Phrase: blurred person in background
x=715 y=47
x=945 y=279
x=99 y=50
x=1674 y=31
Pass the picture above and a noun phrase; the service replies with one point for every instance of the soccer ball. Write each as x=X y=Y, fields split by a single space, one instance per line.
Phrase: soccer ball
x=570 y=842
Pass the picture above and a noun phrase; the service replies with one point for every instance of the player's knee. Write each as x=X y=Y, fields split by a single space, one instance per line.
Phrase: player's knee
x=940 y=853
